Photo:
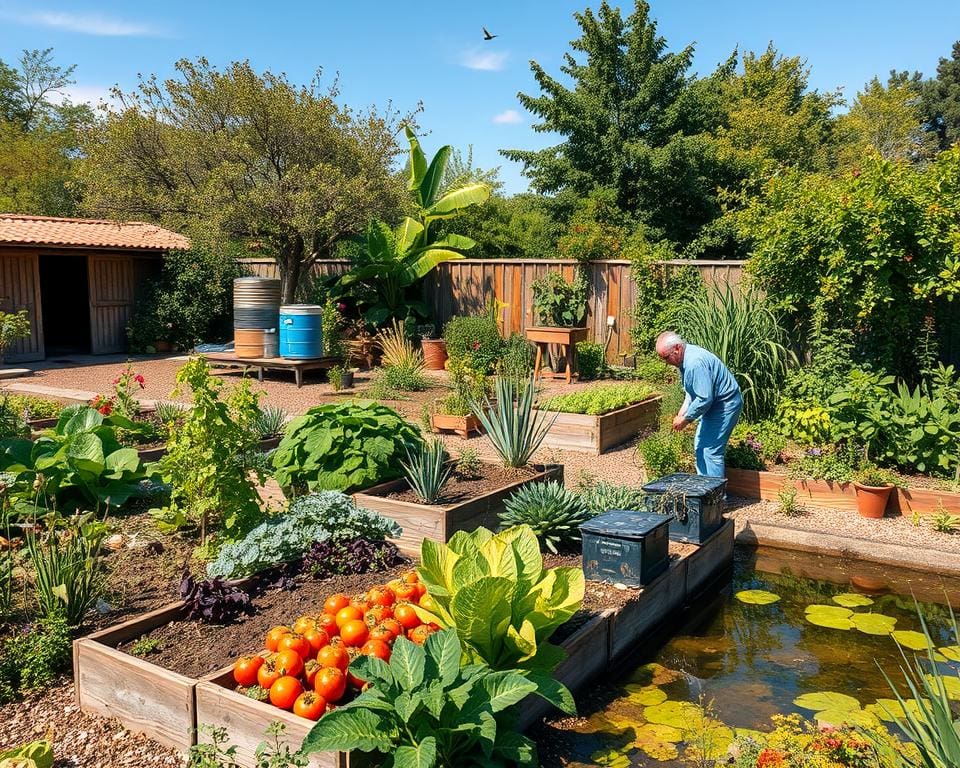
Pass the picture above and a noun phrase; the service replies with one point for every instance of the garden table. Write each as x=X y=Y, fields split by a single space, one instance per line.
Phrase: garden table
x=567 y=338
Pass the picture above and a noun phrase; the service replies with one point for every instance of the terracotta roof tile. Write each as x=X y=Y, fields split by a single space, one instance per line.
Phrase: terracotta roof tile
x=16 y=229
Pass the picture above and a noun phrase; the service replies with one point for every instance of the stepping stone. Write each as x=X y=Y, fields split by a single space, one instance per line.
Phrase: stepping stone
x=40 y=389
x=14 y=373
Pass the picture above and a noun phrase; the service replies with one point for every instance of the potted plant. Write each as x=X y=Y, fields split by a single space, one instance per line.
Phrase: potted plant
x=558 y=307
x=13 y=327
x=341 y=377
x=434 y=349
x=873 y=486
x=454 y=412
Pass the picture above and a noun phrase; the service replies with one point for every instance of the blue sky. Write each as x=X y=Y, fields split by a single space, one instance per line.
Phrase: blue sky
x=434 y=52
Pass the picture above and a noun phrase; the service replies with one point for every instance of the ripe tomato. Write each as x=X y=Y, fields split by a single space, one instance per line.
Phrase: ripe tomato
x=335 y=602
x=406 y=591
x=310 y=705
x=310 y=669
x=355 y=681
x=330 y=683
x=333 y=656
x=410 y=577
x=274 y=635
x=337 y=641
x=406 y=615
x=376 y=614
x=421 y=589
x=294 y=642
x=377 y=648
x=428 y=603
x=350 y=613
x=419 y=634
x=328 y=623
x=354 y=633
x=381 y=595
x=360 y=602
x=304 y=624
x=289 y=662
x=245 y=670
x=394 y=626
x=285 y=691
x=317 y=639
x=382 y=632
x=267 y=675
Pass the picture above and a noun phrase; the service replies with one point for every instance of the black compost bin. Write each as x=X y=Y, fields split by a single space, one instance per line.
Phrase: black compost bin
x=694 y=502
x=627 y=547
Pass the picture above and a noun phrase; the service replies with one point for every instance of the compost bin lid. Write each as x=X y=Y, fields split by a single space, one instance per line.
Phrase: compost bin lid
x=689 y=485
x=625 y=523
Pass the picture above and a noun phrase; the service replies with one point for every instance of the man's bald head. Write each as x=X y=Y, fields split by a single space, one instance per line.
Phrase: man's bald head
x=670 y=347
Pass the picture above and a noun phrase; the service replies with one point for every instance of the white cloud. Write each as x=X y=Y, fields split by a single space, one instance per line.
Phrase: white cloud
x=488 y=61
x=508 y=116
x=89 y=24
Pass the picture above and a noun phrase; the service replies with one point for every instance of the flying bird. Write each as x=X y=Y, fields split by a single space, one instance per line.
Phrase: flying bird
x=487 y=35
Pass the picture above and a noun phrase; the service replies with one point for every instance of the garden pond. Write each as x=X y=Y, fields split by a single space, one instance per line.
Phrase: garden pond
x=727 y=665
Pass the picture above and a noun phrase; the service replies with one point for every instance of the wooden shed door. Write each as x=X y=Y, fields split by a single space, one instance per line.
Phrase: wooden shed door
x=20 y=289
x=112 y=287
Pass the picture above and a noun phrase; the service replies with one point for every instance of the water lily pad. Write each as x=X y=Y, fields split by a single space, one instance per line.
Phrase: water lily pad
x=756 y=597
x=874 y=623
x=673 y=713
x=646 y=695
x=830 y=616
x=655 y=674
x=951 y=684
x=820 y=701
x=837 y=717
x=658 y=741
x=708 y=740
x=611 y=758
x=908 y=638
x=852 y=600
x=950 y=652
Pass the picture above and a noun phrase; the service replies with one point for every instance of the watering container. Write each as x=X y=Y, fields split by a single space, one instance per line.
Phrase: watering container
x=626 y=547
x=301 y=331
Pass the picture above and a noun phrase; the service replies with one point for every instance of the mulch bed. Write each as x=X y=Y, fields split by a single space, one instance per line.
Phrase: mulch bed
x=194 y=648
x=461 y=488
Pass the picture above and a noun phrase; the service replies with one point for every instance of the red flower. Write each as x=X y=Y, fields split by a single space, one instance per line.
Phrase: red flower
x=140 y=380
x=770 y=758
x=476 y=346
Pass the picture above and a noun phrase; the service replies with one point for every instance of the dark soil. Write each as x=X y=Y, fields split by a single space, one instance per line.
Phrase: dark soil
x=194 y=649
x=157 y=436
x=460 y=488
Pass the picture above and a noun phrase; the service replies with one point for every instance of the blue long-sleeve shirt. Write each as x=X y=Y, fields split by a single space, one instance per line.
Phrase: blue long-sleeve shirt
x=706 y=381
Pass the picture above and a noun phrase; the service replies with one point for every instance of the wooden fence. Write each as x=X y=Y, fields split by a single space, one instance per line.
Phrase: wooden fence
x=464 y=287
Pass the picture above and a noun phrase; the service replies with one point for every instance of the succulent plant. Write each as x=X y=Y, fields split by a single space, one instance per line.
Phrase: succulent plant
x=553 y=512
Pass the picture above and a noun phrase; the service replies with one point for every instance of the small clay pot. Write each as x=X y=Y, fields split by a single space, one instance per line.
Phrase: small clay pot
x=872 y=500
x=434 y=354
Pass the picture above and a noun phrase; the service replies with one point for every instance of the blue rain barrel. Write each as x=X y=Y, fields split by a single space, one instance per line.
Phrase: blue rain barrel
x=301 y=331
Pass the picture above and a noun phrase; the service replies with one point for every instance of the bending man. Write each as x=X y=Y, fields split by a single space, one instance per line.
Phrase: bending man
x=713 y=397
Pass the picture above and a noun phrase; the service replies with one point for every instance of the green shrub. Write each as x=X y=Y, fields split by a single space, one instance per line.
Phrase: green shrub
x=475 y=341
x=591 y=360
x=12 y=423
x=661 y=453
x=559 y=303
x=13 y=327
x=468 y=385
x=601 y=496
x=286 y=537
x=343 y=447
x=512 y=426
x=503 y=606
x=652 y=369
x=755 y=446
x=599 y=399
x=834 y=464
x=30 y=660
x=30 y=407
x=661 y=292
x=517 y=359
x=552 y=512
x=402 y=379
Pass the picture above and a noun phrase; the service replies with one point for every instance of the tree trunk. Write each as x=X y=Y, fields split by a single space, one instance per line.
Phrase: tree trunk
x=291 y=269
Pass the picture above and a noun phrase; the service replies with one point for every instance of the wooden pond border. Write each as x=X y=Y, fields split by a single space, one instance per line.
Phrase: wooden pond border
x=596 y=434
x=440 y=522
x=754 y=484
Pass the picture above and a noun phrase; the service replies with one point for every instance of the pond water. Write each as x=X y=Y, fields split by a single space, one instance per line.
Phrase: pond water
x=730 y=665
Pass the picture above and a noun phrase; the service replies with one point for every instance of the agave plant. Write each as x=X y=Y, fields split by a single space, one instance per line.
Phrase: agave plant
x=270 y=422
x=554 y=513
x=512 y=426
x=427 y=470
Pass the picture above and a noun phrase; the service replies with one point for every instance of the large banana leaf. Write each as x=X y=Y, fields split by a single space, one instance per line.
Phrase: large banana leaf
x=430 y=185
x=453 y=202
x=421 y=262
x=418 y=162
x=407 y=233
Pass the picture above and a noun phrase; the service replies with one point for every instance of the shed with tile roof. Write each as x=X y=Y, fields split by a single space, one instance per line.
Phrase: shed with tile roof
x=77 y=279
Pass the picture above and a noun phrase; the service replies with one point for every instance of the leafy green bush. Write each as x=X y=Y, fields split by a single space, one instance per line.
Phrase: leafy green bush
x=517 y=359
x=755 y=446
x=512 y=426
x=652 y=369
x=13 y=327
x=504 y=608
x=207 y=456
x=343 y=447
x=67 y=574
x=661 y=292
x=601 y=496
x=599 y=399
x=559 y=303
x=31 y=659
x=475 y=341
x=661 y=453
x=467 y=384
x=552 y=512
x=30 y=407
x=78 y=462
x=286 y=537
x=12 y=423
x=833 y=464
x=591 y=360
x=423 y=709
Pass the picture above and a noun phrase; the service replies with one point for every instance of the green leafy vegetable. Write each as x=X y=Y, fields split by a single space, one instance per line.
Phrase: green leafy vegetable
x=599 y=399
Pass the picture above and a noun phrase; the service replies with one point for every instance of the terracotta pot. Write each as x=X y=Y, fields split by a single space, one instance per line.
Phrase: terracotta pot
x=163 y=347
x=462 y=425
x=872 y=500
x=434 y=353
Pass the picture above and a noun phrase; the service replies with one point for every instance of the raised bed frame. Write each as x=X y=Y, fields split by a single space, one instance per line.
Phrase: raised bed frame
x=440 y=521
x=596 y=434
x=753 y=484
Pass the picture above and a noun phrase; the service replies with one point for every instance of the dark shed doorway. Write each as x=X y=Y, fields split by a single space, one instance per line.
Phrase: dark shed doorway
x=65 y=298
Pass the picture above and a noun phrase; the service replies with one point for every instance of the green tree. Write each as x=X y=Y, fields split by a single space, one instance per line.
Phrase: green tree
x=941 y=96
x=633 y=121
x=241 y=155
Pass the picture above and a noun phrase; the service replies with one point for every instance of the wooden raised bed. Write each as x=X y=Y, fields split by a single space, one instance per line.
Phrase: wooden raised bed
x=753 y=484
x=595 y=434
x=440 y=521
x=462 y=425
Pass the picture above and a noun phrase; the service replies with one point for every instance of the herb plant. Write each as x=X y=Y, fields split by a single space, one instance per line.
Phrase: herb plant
x=943 y=522
x=468 y=463
x=423 y=709
x=286 y=537
x=598 y=399
x=32 y=657
x=339 y=556
x=343 y=447
x=146 y=645
x=213 y=600
x=504 y=607
x=661 y=453
x=552 y=512
x=427 y=470
x=512 y=426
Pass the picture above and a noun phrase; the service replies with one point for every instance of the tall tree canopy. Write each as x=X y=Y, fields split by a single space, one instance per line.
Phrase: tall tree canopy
x=941 y=97
x=239 y=155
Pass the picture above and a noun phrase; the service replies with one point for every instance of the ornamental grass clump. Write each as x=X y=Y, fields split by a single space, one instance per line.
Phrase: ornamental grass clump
x=554 y=513
x=427 y=470
x=512 y=426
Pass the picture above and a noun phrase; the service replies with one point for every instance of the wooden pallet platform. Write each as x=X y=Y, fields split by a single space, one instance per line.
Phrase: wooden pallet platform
x=230 y=360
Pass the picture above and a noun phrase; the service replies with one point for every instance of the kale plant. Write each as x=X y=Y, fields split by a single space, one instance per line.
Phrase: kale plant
x=337 y=556
x=214 y=601
x=286 y=537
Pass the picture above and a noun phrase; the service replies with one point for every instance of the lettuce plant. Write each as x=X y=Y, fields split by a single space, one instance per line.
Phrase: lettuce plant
x=494 y=590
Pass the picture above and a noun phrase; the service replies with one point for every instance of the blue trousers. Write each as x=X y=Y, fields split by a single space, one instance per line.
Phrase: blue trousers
x=713 y=433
